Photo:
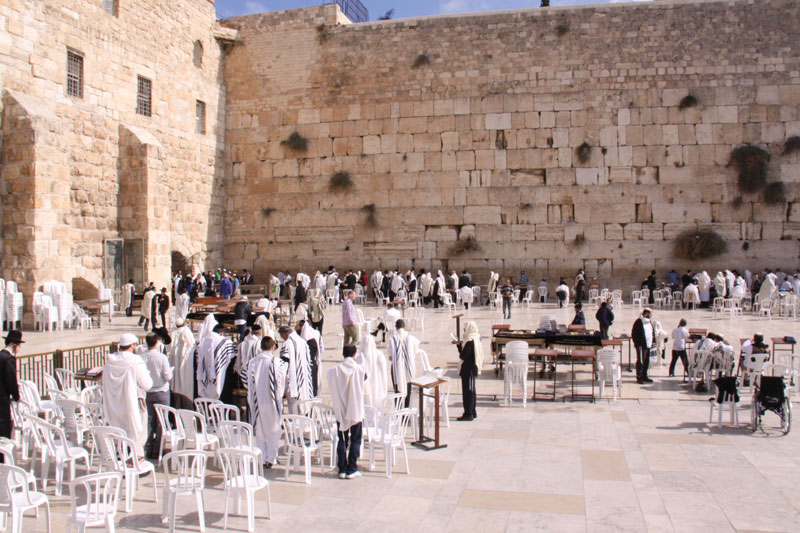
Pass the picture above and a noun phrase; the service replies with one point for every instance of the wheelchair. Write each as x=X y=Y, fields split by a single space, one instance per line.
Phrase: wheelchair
x=772 y=395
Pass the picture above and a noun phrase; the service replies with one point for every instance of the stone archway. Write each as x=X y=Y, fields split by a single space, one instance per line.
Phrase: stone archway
x=178 y=262
x=83 y=289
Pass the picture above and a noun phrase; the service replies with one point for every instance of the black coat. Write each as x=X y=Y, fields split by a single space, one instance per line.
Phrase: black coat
x=242 y=310
x=463 y=281
x=579 y=320
x=605 y=317
x=9 y=390
x=467 y=354
x=300 y=295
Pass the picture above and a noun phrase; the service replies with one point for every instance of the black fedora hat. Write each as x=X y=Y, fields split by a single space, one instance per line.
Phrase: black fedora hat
x=14 y=336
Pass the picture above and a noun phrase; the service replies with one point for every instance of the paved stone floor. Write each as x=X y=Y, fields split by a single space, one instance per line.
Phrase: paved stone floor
x=648 y=461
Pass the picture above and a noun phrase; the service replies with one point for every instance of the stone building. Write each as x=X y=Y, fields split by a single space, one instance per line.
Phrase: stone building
x=545 y=139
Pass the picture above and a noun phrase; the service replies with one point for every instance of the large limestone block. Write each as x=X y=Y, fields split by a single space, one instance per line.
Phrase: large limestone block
x=482 y=214
x=681 y=212
x=613 y=213
x=549 y=232
x=498 y=121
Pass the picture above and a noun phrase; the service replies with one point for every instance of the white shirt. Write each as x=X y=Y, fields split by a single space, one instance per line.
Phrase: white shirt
x=160 y=371
x=679 y=336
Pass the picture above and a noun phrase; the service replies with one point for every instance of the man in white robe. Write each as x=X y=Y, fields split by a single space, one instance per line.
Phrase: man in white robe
x=332 y=284
x=768 y=287
x=214 y=355
x=719 y=285
x=403 y=354
x=125 y=382
x=248 y=348
x=346 y=381
x=691 y=293
x=427 y=286
x=377 y=370
x=181 y=358
x=128 y=291
x=182 y=304
x=265 y=381
x=147 y=309
x=376 y=281
x=295 y=351
x=703 y=286
x=398 y=284
x=314 y=341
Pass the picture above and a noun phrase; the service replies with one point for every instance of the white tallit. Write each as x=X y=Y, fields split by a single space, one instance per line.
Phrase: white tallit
x=214 y=354
x=346 y=382
x=295 y=349
x=768 y=287
x=377 y=370
x=208 y=326
x=265 y=381
x=125 y=377
x=403 y=353
x=248 y=348
x=181 y=358
x=471 y=333
x=182 y=306
x=308 y=333
x=719 y=285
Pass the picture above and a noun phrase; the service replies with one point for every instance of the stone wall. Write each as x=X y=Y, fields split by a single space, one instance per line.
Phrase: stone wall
x=77 y=171
x=470 y=126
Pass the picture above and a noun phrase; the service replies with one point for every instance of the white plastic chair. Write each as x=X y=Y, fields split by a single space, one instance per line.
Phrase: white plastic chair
x=528 y=299
x=29 y=392
x=296 y=428
x=194 y=430
x=50 y=383
x=515 y=373
x=16 y=497
x=637 y=299
x=729 y=401
x=21 y=412
x=237 y=435
x=77 y=421
x=100 y=492
x=56 y=446
x=447 y=301
x=325 y=418
x=699 y=364
x=217 y=412
x=391 y=437
x=542 y=294
x=185 y=475
x=609 y=370
x=66 y=378
x=118 y=454
x=175 y=436
x=92 y=394
x=244 y=476
x=717 y=306
x=753 y=367
x=201 y=406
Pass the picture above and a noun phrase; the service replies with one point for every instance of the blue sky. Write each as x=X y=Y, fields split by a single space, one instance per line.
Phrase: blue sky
x=402 y=8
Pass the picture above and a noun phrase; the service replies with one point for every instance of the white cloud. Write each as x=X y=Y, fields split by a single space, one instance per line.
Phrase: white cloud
x=253 y=7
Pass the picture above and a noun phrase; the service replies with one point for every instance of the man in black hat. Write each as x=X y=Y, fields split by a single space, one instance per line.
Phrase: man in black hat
x=9 y=388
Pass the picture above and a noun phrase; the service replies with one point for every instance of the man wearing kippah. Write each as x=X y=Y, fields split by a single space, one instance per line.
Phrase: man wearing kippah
x=9 y=388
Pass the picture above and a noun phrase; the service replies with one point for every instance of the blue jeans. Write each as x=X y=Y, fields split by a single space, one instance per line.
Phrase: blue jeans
x=506 y=305
x=351 y=439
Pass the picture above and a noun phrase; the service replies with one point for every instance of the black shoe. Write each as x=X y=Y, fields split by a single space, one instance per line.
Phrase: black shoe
x=647 y=380
x=640 y=381
x=474 y=415
x=464 y=418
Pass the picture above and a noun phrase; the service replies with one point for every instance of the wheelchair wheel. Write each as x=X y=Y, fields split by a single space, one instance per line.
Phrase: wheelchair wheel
x=754 y=416
x=786 y=426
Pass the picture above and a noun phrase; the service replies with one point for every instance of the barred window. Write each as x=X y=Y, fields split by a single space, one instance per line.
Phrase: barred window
x=111 y=7
x=144 y=94
x=74 y=74
x=200 y=116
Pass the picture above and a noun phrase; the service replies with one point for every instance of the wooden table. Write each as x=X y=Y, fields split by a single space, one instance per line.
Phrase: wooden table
x=544 y=354
x=625 y=338
x=583 y=357
x=428 y=382
x=779 y=341
x=95 y=306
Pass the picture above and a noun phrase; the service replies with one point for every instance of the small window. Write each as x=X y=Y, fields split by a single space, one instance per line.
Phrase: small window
x=200 y=117
x=111 y=7
x=144 y=94
x=198 y=54
x=74 y=74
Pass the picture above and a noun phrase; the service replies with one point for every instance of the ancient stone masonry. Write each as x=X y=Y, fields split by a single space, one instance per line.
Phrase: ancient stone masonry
x=78 y=170
x=555 y=138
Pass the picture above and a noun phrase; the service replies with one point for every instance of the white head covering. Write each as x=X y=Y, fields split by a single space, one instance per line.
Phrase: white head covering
x=208 y=326
x=471 y=334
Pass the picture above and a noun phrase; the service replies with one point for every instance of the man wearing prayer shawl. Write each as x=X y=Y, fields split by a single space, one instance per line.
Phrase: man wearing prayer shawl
x=182 y=304
x=295 y=351
x=314 y=341
x=181 y=359
x=403 y=353
x=768 y=287
x=147 y=312
x=333 y=285
x=248 y=348
x=267 y=328
x=703 y=286
x=719 y=285
x=317 y=303
x=346 y=382
x=128 y=292
x=125 y=382
x=376 y=281
x=427 y=288
x=691 y=294
x=214 y=355
x=376 y=368
x=265 y=380
x=471 y=355
x=398 y=284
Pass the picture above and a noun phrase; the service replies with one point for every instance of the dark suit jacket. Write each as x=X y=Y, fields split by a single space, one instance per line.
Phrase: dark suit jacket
x=9 y=388
x=637 y=334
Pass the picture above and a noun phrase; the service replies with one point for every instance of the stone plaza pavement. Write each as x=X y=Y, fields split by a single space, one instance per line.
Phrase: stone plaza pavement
x=648 y=461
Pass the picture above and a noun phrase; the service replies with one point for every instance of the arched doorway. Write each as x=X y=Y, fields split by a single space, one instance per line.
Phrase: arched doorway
x=178 y=262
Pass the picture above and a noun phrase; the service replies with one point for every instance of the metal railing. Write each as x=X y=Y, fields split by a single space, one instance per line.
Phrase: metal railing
x=353 y=9
x=32 y=367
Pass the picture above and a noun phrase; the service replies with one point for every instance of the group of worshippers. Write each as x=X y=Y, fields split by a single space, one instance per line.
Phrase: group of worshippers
x=701 y=289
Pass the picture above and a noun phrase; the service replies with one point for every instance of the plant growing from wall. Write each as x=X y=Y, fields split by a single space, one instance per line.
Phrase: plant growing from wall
x=699 y=244
x=580 y=240
x=583 y=152
x=421 y=60
x=751 y=163
x=687 y=102
x=462 y=246
x=295 y=141
x=775 y=193
x=372 y=216
x=267 y=211
x=340 y=182
x=562 y=29
x=792 y=145
x=323 y=33
x=525 y=206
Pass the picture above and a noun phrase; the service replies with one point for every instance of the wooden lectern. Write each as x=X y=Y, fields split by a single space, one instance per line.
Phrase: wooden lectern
x=428 y=382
